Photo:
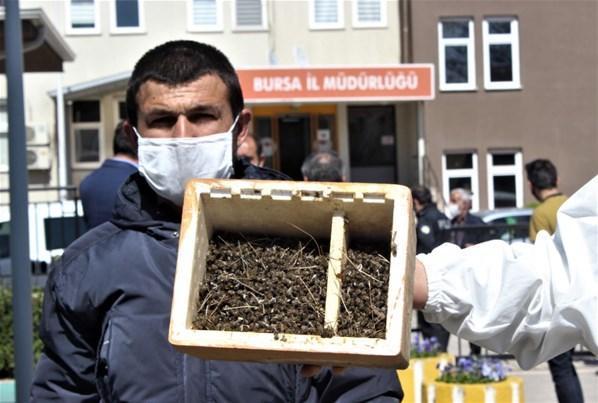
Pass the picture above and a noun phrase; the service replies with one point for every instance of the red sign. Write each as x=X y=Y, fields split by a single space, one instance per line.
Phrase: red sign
x=407 y=82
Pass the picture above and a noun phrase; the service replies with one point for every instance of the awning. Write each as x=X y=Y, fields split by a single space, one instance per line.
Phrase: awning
x=44 y=50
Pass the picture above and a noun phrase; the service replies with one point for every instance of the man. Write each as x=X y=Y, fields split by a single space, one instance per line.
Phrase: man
x=459 y=207
x=534 y=301
x=252 y=150
x=430 y=222
x=107 y=305
x=459 y=212
x=542 y=177
x=324 y=166
x=99 y=189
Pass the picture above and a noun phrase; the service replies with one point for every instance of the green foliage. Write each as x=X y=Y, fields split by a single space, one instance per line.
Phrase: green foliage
x=7 y=360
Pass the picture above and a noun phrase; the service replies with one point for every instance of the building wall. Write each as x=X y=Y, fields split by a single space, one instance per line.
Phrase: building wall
x=287 y=41
x=552 y=116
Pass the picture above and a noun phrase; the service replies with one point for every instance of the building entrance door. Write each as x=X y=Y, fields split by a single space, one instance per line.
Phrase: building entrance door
x=372 y=144
x=294 y=136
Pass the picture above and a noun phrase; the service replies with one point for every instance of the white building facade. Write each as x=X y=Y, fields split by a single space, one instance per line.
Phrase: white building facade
x=375 y=133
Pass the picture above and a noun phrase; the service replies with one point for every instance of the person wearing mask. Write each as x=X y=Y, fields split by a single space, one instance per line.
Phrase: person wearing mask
x=430 y=222
x=462 y=231
x=251 y=150
x=98 y=190
x=543 y=179
x=458 y=211
x=323 y=166
x=107 y=306
x=534 y=301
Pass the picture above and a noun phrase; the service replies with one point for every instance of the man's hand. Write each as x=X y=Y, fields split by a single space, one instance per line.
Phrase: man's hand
x=420 y=286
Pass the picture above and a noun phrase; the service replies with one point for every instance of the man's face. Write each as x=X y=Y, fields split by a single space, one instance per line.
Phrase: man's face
x=199 y=108
x=249 y=149
x=463 y=204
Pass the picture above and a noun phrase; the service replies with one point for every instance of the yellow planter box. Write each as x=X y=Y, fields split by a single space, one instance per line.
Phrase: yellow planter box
x=419 y=371
x=508 y=391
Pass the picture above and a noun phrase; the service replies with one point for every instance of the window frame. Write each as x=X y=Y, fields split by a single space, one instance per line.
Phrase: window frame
x=505 y=170
x=383 y=23
x=245 y=28
x=512 y=39
x=114 y=29
x=69 y=30
x=218 y=27
x=469 y=42
x=99 y=126
x=316 y=26
x=472 y=173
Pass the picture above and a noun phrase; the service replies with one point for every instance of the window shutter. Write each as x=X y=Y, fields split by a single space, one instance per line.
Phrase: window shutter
x=369 y=10
x=204 y=12
x=249 y=13
x=82 y=13
x=326 y=11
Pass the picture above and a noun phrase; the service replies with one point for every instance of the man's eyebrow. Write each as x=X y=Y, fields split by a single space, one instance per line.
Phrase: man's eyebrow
x=158 y=112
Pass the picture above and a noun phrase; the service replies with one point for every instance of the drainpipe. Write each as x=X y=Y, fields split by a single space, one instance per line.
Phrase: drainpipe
x=19 y=215
x=61 y=136
x=421 y=144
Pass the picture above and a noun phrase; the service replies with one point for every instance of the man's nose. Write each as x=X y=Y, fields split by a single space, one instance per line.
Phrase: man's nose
x=182 y=127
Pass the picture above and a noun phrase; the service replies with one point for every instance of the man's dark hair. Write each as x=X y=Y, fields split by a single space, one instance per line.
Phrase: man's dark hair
x=121 y=143
x=181 y=62
x=324 y=166
x=421 y=194
x=542 y=174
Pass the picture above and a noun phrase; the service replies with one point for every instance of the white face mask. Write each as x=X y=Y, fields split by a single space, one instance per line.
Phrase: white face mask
x=452 y=210
x=168 y=163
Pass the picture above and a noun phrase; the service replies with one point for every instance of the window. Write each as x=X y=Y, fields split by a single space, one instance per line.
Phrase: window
x=501 y=53
x=122 y=110
x=204 y=15
x=86 y=131
x=456 y=55
x=326 y=14
x=369 y=13
x=505 y=179
x=82 y=17
x=127 y=16
x=460 y=170
x=250 y=15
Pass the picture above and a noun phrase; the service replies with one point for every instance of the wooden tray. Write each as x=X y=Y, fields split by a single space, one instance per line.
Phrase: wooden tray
x=336 y=211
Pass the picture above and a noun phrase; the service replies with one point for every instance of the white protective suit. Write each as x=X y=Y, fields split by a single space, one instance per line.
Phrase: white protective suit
x=533 y=301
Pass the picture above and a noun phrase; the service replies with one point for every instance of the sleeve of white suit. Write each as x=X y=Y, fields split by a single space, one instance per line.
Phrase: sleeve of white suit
x=533 y=301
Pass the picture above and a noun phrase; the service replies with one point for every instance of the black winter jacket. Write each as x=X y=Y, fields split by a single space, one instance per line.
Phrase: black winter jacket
x=106 y=315
x=430 y=221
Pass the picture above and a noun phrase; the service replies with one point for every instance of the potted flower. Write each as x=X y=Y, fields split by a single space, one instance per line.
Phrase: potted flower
x=426 y=358
x=472 y=380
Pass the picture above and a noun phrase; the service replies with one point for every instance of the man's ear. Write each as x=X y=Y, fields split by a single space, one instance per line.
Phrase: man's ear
x=128 y=128
x=243 y=125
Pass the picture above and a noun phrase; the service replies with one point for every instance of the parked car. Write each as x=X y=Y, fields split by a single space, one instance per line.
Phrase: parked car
x=509 y=224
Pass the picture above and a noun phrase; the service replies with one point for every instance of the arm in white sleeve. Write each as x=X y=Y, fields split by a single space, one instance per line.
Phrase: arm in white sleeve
x=534 y=301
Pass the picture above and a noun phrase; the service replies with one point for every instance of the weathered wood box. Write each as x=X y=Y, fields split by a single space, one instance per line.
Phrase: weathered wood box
x=340 y=212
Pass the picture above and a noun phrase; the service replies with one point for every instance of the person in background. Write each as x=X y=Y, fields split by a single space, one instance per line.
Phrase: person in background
x=430 y=222
x=107 y=307
x=251 y=149
x=323 y=166
x=98 y=190
x=543 y=180
x=459 y=210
